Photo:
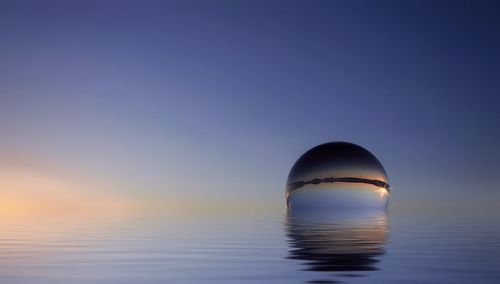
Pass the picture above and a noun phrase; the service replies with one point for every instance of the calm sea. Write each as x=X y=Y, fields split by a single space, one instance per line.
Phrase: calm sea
x=253 y=248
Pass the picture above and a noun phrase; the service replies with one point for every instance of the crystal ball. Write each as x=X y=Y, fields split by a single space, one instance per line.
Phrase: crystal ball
x=337 y=175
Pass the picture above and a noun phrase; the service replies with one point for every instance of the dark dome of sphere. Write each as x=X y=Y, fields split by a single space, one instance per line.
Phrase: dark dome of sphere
x=337 y=162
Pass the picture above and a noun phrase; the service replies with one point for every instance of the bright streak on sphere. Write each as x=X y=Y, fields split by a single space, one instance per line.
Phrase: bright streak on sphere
x=337 y=176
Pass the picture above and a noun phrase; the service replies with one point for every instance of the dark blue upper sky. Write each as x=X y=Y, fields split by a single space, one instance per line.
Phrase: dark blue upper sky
x=219 y=98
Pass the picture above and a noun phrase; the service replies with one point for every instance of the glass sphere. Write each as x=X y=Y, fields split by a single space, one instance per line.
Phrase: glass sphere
x=337 y=175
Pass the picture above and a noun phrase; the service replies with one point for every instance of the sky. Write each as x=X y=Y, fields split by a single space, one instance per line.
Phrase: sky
x=194 y=102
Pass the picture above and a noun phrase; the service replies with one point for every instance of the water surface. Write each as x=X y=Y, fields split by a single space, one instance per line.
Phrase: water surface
x=251 y=248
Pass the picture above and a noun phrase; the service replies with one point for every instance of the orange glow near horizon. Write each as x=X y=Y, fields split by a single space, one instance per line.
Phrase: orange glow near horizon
x=27 y=193
x=38 y=189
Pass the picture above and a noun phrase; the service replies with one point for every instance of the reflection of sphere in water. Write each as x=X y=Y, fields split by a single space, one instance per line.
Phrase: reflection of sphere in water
x=337 y=242
x=337 y=175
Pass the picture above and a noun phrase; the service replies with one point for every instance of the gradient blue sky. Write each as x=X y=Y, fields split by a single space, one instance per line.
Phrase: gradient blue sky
x=217 y=99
